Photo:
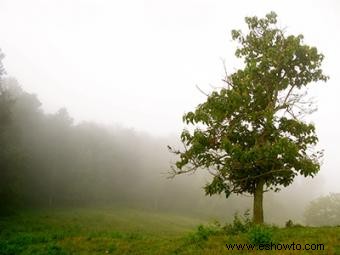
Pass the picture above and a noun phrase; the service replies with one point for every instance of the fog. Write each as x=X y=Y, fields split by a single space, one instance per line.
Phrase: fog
x=101 y=87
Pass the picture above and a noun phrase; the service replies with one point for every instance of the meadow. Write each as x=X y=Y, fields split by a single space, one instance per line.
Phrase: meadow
x=133 y=231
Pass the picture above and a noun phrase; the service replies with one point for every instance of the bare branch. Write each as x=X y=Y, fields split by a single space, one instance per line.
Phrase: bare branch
x=204 y=93
x=226 y=78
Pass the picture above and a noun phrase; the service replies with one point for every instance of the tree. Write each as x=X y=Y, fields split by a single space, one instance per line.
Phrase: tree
x=324 y=211
x=5 y=100
x=10 y=157
x=251 y=135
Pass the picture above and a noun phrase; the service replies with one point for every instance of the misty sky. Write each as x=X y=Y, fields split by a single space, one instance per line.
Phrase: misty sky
x=136 y=63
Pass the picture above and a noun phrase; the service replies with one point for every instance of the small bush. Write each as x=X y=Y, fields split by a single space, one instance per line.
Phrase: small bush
x=202 y=233
x=290 y=224
x=260 y=235
x=241 y=224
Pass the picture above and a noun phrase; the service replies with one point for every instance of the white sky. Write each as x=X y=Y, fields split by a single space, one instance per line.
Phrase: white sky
x=136 y=63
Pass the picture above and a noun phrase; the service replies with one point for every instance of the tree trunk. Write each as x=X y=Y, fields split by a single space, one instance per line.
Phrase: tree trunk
x=258 y=203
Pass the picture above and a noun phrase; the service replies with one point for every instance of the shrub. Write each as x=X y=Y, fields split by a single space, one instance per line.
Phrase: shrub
x=260 y=235
x=290 y=224
x=240 y=224
x=202 y=233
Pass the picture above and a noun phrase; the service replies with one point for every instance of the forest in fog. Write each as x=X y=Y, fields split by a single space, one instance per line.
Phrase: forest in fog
x=48 y=160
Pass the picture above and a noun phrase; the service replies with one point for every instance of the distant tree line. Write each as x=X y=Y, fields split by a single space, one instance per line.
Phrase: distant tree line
x=47 y=160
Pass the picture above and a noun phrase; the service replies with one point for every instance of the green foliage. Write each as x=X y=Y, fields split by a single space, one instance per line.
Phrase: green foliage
x=324 y=211
x=251 y=131
x=202 y=233
x=259 y=234
x=240 y=224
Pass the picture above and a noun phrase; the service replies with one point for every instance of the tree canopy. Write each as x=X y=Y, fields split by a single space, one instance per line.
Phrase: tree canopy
x=250 y=135
x=324 y=211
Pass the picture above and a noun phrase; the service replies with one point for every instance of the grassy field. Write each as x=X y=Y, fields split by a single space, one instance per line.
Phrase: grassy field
x=129 y=231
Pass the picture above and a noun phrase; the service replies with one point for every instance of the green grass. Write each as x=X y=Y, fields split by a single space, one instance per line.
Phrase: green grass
x=129 y=231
